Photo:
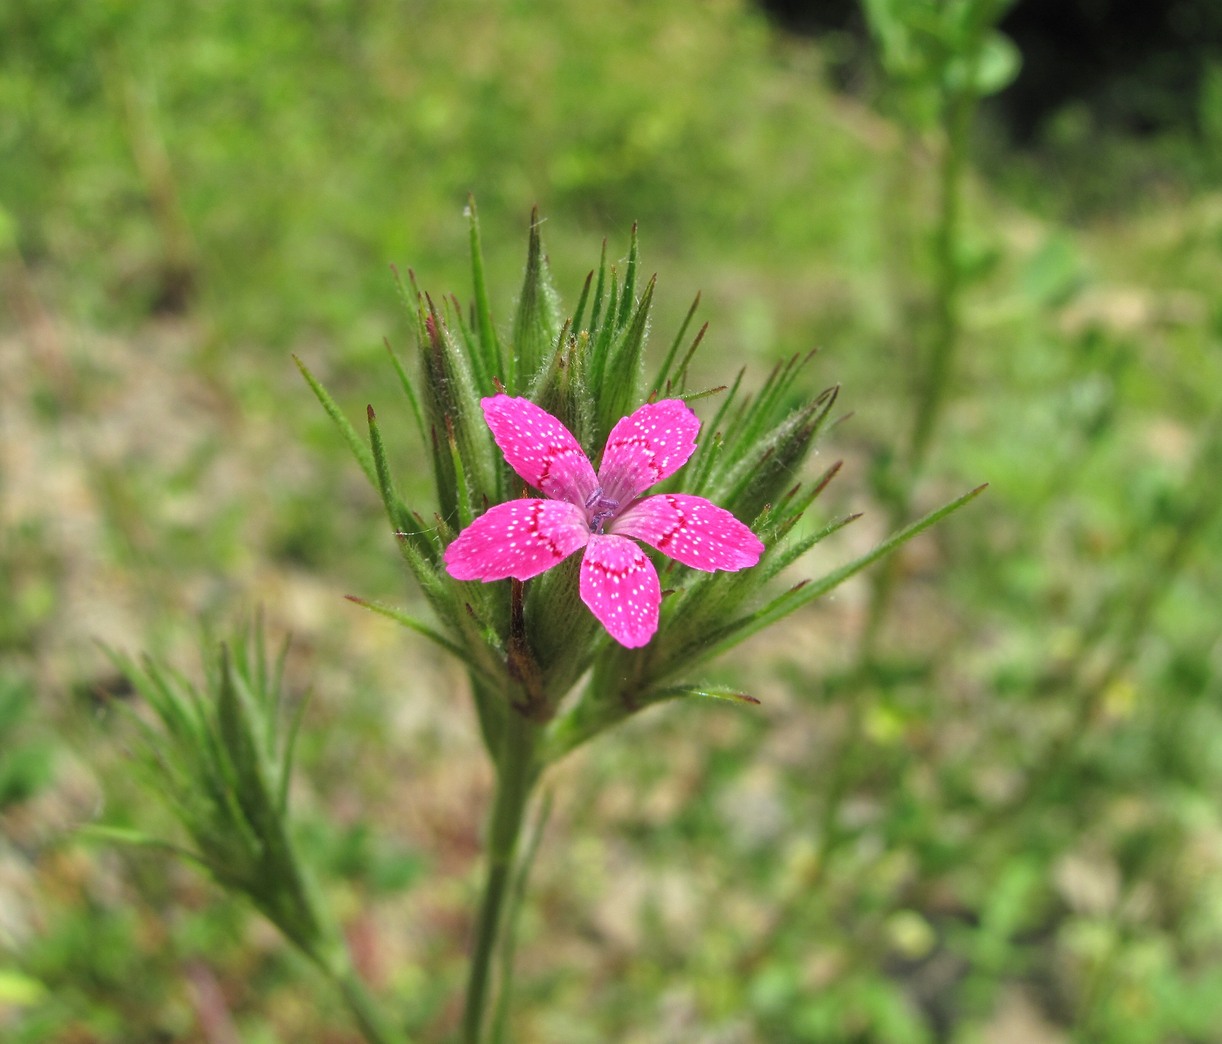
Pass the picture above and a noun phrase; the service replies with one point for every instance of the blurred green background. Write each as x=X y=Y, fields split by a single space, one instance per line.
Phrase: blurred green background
x=1023 y=787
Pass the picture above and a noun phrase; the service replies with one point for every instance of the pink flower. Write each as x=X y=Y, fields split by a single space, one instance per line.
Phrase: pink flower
x=619 y=584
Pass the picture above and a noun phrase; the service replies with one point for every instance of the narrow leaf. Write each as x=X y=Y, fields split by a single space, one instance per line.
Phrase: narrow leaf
x=355 y=442
x=405 y=382
x=804 y=593
x=490 y=345
x=703 y=691
x=411 y=623
x=659 y=382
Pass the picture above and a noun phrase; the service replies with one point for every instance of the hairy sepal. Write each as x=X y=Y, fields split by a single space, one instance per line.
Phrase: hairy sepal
x=536 y=324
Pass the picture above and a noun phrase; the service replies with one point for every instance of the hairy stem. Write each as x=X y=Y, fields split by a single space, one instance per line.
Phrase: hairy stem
x=517 y=771
x=368 y=1016
x=948 y=279
x=938 y=365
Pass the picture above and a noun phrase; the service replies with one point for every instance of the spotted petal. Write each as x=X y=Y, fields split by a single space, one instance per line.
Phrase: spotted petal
x=540 y=449
x=691 y=530
x=521 y=538
x=646 y=447
x=620 y=585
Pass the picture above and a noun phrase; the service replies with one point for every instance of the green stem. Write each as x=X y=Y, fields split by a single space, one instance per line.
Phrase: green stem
x=509 y=931
x=939 y=359
x=517 y=770
x=957 y=113
x=373 y=1025
x=948 y=278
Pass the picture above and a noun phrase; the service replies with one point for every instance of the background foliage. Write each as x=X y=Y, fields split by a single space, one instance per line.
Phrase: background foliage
x=1008 y=824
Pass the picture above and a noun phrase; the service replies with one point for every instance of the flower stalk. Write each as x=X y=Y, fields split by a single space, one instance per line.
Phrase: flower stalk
x=516 y=773
x=941 y=59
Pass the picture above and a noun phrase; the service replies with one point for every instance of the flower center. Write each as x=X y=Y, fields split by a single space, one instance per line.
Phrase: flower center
x=600 y=508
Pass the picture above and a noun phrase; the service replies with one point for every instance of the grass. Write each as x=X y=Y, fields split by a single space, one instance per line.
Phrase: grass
x=1029 y=814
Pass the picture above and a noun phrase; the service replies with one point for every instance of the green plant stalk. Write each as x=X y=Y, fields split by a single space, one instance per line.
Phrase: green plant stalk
x=939 y=361
x=500 y=1022
x=332 y=957
x=948 y=275
x=365 y=1012
x=517 y=771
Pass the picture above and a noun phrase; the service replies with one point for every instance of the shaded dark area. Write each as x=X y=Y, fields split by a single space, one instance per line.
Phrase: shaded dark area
x=1137 y=67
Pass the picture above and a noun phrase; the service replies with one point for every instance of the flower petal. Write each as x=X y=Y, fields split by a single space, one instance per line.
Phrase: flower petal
x=646 y=447
x=521 y=538
x=691 y=530
x=540 y=449
x=620 y=585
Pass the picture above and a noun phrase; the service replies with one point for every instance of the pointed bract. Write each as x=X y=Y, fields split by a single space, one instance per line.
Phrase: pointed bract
x=620 y=586
x=519 y=539
x=691 y=530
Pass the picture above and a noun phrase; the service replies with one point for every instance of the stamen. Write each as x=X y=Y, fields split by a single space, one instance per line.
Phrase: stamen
x=600 y=508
